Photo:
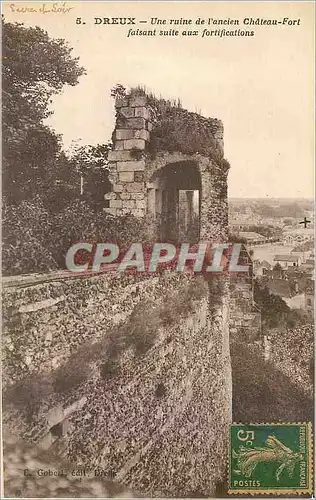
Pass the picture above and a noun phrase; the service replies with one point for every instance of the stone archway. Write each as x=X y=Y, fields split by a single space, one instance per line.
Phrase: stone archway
x=175 y=200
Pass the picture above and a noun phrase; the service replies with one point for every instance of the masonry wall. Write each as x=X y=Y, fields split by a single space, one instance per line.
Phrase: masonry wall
x=128 y=373
x=127 y=161
x=153 y=415
x=245 y=317
x=133 y=164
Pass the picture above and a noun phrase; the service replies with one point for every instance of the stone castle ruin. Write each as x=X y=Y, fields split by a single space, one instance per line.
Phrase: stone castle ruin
x=130 y=375
x=167 y=165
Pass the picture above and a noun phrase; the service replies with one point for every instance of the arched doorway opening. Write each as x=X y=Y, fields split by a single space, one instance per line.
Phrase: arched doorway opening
x=175 y=202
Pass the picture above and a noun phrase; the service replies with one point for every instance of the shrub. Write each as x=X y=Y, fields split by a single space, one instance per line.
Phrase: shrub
x=26 y=230
x=70 y=375
x=143 y=326
x=177 y=129
x=35 y=240
x=109 y=369
x=273 y=308
x=167 y=312
x=27 y=395
x=118 y=90
x=235 y=238
x=160 y=390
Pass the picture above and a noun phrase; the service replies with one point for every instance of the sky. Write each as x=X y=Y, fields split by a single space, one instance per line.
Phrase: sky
x=261 y=87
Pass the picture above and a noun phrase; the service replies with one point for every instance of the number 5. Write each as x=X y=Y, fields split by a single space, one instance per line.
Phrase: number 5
x=250 y=435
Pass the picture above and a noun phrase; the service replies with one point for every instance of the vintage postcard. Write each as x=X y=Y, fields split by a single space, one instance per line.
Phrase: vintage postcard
x=157 y=249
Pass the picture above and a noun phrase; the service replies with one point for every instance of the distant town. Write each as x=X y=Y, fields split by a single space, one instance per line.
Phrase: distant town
x=279 y=236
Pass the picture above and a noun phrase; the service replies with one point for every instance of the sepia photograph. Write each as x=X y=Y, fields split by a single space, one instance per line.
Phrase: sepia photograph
x=158 y=253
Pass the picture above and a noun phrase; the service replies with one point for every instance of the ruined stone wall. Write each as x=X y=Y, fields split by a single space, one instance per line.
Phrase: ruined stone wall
x=45 y=323
x=127 y=162
x=244 y=317
x=157 y=422
x=133 y=164
x=128 y=373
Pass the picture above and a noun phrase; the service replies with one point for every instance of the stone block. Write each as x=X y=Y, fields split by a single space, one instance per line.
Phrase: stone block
x=55 y=415
x=140 y=204
x=139 y=123
x=127 y=112
x=137 y=212
x=139 y=176
x=77 y=405
x=47 y=441
x=151 y=201
x=138 y=101
x=126 y=176
x=140 y=134
x=134 y=143
x=135 y=187
x=150 y=185
x=122 y=133
x=119 y=145
x=110 y=196
x=129 y=204
x=142 y=112
x=121 y=101
x=126 y=196
x=113 y=176
x=130 y=166
x=117 y=188
x=112 y=168
x=137 y=196
x=110 y=211
x=119 y=156
x=41 y=304
x=149 y=126
x=116 y=204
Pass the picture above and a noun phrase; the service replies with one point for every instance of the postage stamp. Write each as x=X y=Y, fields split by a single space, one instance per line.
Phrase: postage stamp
x=270 y=458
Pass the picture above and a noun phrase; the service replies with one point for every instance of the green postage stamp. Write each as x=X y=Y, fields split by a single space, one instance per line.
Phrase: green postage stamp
x=270 y=458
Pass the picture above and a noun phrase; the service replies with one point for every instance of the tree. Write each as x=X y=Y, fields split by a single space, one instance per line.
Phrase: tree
x=288 y=222
x=34 y=69
x=277 y=267
x=274 y=309
x=235 y=238
x=266 y=231
x=91 y=164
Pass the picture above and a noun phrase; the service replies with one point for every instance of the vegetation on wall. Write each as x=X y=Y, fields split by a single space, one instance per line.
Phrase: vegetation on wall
x=138 y=334
x=176 y=129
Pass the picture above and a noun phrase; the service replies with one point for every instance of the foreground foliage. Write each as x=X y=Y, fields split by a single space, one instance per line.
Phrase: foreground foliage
x=37 y=240
x=35 y=67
